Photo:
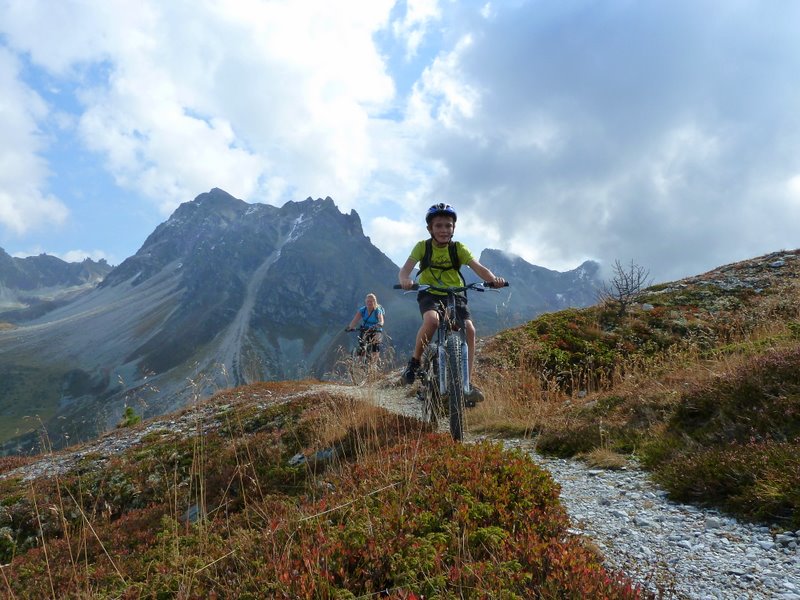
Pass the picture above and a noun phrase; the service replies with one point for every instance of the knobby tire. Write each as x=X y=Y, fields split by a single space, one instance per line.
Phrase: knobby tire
x=431 y=401
x=455 y=386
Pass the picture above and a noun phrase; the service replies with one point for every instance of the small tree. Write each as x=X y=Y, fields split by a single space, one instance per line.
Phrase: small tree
x=129 y=418
x=625 y=285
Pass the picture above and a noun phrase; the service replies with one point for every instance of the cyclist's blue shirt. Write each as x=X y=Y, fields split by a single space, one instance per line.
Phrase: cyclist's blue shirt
x=371 y=319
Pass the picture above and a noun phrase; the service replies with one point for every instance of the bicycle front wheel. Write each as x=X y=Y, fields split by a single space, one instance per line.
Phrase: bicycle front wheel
x=359 y=367
x=455 y=386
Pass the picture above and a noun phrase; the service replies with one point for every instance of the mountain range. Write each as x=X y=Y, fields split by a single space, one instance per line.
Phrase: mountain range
x=30 y=286
x=221 y=294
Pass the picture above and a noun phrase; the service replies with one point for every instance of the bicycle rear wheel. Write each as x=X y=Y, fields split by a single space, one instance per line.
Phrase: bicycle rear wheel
x=455 y=386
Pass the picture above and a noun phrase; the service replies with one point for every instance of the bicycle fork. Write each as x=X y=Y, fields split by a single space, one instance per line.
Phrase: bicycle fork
x=442 y=359
x=465 y=364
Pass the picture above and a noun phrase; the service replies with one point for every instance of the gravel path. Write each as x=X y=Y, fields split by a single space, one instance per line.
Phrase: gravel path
x=678 y=550
x=674 y=550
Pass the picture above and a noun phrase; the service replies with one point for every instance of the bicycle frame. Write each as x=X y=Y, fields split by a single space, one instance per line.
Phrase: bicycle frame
x=445 y=362
x=450 y=324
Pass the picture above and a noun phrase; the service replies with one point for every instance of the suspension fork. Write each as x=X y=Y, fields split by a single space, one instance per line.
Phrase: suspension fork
x=464 y=359
x=462 y=335
x=441 y=358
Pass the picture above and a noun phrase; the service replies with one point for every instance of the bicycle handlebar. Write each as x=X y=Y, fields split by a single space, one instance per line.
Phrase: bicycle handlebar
x=478 y=287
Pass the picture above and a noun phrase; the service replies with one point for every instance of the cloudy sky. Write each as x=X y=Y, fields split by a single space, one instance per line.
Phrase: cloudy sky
x=663 y=132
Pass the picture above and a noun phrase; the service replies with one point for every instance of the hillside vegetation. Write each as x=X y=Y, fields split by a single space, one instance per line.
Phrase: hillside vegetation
x=699 y=379
x=290 y=491
x=296 y=490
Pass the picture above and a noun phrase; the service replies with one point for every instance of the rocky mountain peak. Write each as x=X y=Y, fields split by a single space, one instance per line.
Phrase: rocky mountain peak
x=216 y=206
x=535 y=290
x=588 y=269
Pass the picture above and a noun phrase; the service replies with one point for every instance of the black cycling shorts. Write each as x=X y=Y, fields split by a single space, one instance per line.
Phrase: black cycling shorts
x=370 y=340
x=437 y=302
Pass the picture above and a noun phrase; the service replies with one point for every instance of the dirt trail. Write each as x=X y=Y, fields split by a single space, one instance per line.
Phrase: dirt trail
x=384 y=393
x=388 y=393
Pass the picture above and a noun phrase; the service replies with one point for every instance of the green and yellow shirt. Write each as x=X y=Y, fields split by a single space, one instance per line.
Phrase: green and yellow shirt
x=441 y=272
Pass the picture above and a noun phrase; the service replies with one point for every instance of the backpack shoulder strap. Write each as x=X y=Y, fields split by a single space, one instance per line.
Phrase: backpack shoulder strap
x=455 y=262
x=426 y=258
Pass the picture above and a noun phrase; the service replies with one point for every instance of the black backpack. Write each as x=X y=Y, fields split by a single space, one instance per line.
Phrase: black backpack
x=455 y=263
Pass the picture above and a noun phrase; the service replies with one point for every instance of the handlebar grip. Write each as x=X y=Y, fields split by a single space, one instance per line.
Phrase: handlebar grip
x=397 y=286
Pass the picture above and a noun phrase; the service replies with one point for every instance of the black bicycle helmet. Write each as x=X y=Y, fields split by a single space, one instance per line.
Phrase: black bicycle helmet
x=440 y=209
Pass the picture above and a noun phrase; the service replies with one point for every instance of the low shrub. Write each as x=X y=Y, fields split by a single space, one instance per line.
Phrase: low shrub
x=759 y=481
x=733 y=441
x=424 y=516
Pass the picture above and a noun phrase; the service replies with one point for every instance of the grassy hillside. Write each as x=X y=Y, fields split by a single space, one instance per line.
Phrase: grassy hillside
x=287 y=491
x=295 y=490
x=28 y=397
x=699 y=379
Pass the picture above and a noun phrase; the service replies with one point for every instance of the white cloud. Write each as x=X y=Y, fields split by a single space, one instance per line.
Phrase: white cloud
x=443 y=94
x=793 y=186
x=667 y=133
x=607 y=138
x=413 y=27
x=269 y=100
x=24 y=203
x=395 y=238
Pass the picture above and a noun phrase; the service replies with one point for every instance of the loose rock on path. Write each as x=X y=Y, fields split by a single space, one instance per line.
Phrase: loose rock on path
x=679 y=550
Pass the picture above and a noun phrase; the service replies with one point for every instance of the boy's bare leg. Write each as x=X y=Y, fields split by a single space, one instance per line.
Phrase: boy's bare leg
x=430 y=321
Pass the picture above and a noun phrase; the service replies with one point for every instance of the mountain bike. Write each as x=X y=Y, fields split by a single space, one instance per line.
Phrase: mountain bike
x=360 y=366
x=444 y=366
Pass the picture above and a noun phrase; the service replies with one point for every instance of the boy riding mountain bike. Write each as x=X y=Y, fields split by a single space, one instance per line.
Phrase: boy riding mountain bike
x=440 y=259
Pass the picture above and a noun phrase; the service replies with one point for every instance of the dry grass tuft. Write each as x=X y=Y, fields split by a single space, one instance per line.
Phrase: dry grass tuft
x=516 y=404
x=603 y=458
